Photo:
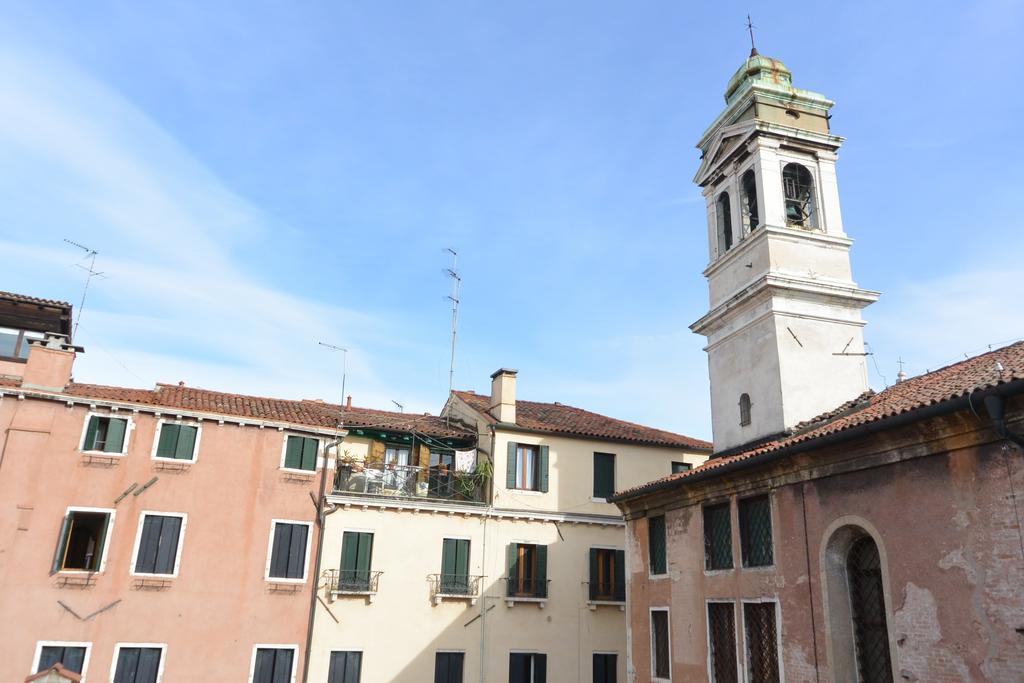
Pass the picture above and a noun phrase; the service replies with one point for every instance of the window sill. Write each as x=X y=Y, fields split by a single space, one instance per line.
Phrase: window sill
x=594 y=604
x=369 y=595
x=760 y=568
x=526 y=492
x=510 y=601
x=719 y=572
x=595 y=499
x=441 y=597
x=657 y=577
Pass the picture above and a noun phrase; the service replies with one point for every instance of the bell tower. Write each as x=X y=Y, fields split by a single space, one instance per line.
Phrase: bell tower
x=784 y=329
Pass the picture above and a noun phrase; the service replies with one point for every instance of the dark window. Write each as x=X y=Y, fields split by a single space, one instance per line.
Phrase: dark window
x=158 y=545
x=661 y=664
x=762 y=643
x=607 y=574
x=678 y=467
x=14 y=343
x=717 y=537
x=722 y=636
x=605 y=668
x=83 y=536
x=288 y=554
x=748 y=194
x=300 y=453
x=527 y=570
x=71 y=657
x=177 y=441
x=356 y=559
x=724 y=223
x=744 y=410
x=448 y=667
x=527 y=467
x=105 y=434
x=867 y=602
x=656 y=545
x=604 y=475
x=756 y=531
x=137 y=665
x=455 y=566
x=346 y=667
x=527 y=667
x=273 y=665
x=798 y=187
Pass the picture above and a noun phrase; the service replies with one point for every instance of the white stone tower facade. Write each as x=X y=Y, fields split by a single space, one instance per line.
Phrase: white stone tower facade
x=784 y=327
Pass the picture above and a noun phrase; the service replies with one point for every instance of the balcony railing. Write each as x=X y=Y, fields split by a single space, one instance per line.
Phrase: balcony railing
x=340 y=581
x=454 y=586
x=519 y=587
x=410 y=481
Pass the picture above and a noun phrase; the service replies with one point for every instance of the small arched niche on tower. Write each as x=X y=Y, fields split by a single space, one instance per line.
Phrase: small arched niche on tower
x=856 y=607
x=748 y=202
x=798 y=190
x=744 y=410
x=723 y=211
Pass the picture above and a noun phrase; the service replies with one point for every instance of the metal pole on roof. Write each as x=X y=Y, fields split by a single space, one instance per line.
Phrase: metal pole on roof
x=92 y=272
x=344 y=370
x=454 y=298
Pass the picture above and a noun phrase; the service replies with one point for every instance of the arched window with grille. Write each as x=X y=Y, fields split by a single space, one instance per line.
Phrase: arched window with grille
x=748 y=197
x=744 y=410
x=798 y=188
x=724 y=213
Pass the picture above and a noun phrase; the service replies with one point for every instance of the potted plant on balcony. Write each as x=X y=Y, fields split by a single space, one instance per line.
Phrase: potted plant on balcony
x=468 y=483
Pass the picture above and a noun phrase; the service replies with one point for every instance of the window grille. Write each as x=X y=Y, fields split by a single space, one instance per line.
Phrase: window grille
x=762 y=642
x=870 y=631
x=717 y=537
x=722 y=636
x=660 y=664
x=756 y=531
x=657 y=546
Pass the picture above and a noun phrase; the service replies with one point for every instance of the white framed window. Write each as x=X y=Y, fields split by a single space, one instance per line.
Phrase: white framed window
x=72 y=655
x=300 y=453
x=527 y=666
x=177 y=441
x=661 y=644
x=158 y=543
x=288 y=551
x=106 y=433
x=272 y=663
x=723 y=654
x=138 y=662
x=84 y=540
x=762 y=639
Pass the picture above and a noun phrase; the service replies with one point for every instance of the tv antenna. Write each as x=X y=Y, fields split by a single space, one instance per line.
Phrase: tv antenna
x=344 y=368
x=401 y=408
x=91 y=271
x=454 y=298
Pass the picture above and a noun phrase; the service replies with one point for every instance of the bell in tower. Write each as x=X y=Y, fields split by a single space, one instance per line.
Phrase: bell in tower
x=784 y=327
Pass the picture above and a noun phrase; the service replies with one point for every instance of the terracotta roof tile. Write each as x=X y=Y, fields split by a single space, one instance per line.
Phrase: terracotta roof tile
x=556 y=418
x=954 y=381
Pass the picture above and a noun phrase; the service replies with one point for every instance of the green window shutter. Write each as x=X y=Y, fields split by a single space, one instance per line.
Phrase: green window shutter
x=542 y=571
x=90 y=434
x=462 y=557
x=98 y=557
x=448 y=560
x=186 y=446
x=542 y=469
x=167 y=447
x=365 y=554
x=349 y=551
x=604 y=475
x=620 y=575
x=309 y=449
x=510 y=466
x=62 y=544
x=115 y=435
x=293 y=453
x=593 y=574
x=512 y=556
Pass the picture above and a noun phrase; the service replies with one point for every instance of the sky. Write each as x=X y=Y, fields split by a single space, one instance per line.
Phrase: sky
x=258 y=177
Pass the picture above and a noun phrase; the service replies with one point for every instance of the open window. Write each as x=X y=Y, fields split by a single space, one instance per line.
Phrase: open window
x=723 y=211
x=83 y=541
x=527 y=467
x=798 y=188
x=527 y=570
x=748 y=202
x=607 y=575
x=105 y=434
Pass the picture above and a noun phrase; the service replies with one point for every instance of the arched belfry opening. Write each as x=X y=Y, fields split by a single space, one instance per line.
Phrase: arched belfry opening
x=798 y=188
x=724 y=211
x=748 y=199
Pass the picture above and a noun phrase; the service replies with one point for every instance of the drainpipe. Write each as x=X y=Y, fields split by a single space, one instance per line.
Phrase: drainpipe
x=319 y=554
x=996 y=407
x=483 y=598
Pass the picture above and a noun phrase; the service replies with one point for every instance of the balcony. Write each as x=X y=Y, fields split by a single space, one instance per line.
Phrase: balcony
x=454 y=587
x=606 y=593
x=522 y=589
x=351 y=582
x=410 y=481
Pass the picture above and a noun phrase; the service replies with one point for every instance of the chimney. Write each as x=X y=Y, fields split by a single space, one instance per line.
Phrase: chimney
x=348 y=401
x=49 y=363
x=503 y=395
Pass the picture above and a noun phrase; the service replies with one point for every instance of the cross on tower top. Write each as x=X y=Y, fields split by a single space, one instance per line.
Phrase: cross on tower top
x=750 y=29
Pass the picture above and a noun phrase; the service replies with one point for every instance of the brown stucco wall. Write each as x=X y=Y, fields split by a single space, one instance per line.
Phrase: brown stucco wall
x=219 y=605
x=939 y=497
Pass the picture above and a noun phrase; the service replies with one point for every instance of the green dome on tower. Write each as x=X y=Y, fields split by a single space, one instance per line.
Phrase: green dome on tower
x=761 y=70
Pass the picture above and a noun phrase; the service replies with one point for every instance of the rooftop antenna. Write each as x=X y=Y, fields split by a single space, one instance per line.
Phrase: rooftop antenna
x=454 y=298
x=401 y=408
x=92 y=272
x=750 y=29
x=344 y=366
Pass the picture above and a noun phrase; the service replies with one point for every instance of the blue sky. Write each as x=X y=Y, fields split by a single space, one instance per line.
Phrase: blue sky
x=261 y=176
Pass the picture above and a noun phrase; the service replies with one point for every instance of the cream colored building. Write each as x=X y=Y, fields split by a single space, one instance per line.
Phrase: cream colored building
x=478 y=546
